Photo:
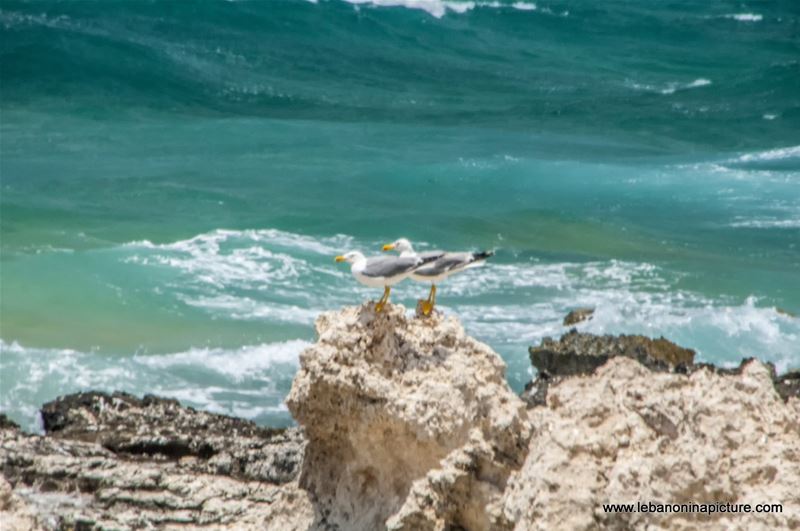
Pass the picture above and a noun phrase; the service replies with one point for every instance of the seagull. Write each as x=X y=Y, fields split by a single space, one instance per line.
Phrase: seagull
x=438 y=266
x=377 y=271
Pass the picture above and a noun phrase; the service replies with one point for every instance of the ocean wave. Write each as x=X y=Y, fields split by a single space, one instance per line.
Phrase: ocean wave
x=719 y=331
x=212 y=240
x=564 y=276
x=745 y=17
x=435 y=8
x=248 y=309
x=671 y=87
x=249 y=381
x=767 y=223
x=791 y=152
x=249 y=259
x=629 y=297
x=746 y=167
x=508 y=305
x=237 y=364
x=439 y=8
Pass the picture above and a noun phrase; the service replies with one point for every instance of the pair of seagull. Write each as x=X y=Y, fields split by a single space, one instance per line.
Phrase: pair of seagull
x=430 y=267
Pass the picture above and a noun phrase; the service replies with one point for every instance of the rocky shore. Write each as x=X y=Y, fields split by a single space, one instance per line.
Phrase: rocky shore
x=408 y=423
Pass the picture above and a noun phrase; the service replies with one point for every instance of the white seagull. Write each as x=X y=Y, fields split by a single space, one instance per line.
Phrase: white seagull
x=377 y=271
x=437 y=266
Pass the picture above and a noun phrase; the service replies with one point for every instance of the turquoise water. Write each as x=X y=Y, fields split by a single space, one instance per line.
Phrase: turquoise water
x=177 y=177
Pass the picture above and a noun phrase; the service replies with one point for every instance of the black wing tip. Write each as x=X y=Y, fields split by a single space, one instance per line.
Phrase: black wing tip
x=482 y=255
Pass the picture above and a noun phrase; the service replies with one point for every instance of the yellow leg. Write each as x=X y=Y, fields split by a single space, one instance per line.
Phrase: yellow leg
x=381 y=303
x=427 y=306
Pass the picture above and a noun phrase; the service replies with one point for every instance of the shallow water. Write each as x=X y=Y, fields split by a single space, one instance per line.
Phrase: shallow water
x=176 y=181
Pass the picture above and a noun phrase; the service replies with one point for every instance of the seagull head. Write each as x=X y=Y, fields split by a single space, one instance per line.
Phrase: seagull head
x=402 y=245
x=351 y=257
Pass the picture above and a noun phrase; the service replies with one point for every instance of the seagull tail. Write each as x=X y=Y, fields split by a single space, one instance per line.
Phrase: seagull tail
x=478 y=259
x=483 y=255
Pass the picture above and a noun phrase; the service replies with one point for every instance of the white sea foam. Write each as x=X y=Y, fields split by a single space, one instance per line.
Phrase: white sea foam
x=763 y=223
x=439 y=8
x=772 y=154
x=436 y=8
x=257 y=260
x=629 y=298
x=234 y=381
x=245 y=308
x=671 y=87
x=745 y=17
x=272 y=237
x=264 y=275
x=238 y=364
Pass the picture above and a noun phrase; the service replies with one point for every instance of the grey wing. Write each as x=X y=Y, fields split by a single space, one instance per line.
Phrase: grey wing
x=447 y=262
x=430 y=256
x=390 y=266
x=451 y=261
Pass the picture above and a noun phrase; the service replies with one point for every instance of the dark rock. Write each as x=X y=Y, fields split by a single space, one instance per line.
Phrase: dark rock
x=788 y=385
x=160 y=428
x=535 y=392
x=114 y=461
x=578 y=353
x=578 y=315
x=659 y=423
x=7 y=424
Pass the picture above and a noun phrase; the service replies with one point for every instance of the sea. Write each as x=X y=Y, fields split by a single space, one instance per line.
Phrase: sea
x=176 y=178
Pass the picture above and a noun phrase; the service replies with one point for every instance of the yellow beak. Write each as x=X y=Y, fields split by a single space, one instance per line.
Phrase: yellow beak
x=339 y=258
x=388 y=247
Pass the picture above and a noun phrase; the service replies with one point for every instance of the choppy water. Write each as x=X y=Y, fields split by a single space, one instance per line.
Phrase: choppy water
x=176 y=178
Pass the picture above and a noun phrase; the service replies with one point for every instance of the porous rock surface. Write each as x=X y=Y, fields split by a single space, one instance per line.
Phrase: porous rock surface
x=578 y=315
x=118 y=462
x=163 y=429
x=410 y=423
x=580 y=353
x=626 y=433
x=577 y=353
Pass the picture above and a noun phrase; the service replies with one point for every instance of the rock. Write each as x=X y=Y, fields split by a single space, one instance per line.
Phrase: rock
x=578 y=315
x=161 y=428
x=788 y=385
x=626 y=434
x=15 y=513
x=7 y=423
x=579 y=353
x=410 y=423
x=116 y=461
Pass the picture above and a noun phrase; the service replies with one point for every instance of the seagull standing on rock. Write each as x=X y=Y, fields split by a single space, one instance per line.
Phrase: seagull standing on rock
x=438 y=266
x=377 y=271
